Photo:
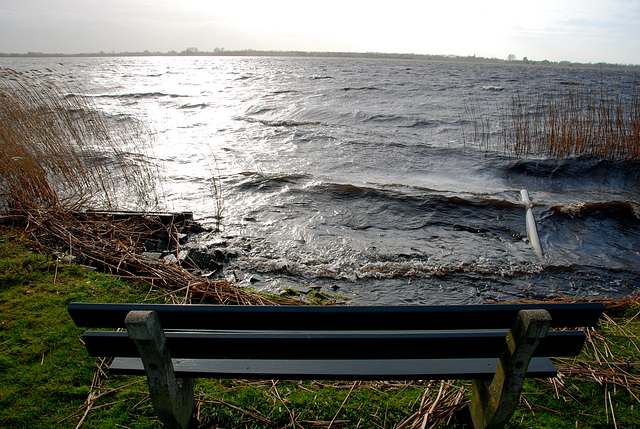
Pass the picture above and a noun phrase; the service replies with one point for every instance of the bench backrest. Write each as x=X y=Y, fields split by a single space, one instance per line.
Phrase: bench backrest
x=334 y=318
x=334 y=332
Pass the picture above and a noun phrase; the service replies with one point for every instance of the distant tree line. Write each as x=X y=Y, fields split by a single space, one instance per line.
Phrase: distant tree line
x=192 y=51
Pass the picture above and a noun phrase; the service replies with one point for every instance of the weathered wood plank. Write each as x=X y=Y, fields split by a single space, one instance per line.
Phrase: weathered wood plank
x=332 y=345
x=310 y=318
x=314 y=369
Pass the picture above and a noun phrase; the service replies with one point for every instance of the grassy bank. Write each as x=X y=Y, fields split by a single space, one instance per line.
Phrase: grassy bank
x=47 y=380
x=45 y=373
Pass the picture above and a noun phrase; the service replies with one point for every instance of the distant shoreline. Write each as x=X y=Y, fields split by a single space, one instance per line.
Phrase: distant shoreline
x=303 y=54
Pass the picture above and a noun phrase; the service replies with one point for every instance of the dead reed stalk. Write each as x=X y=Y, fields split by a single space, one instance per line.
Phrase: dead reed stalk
x=56 y=150
x=449 y=401
x=579 y=121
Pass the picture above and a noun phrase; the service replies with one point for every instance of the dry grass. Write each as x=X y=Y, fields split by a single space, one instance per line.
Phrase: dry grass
x=602 y=362
x=609 y=357
x=605 y=362
x=449 y=401
x=56 y=150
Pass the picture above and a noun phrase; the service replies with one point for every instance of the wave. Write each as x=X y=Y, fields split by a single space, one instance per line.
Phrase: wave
x=493 y=88
x=620 y=210
x=576 y=172
x=283 y=91
x=354 y=270
x=394 y=120
x=400 y=208
x=423 y=123
x=281 y=122
x=259 y=110
x=384 y=118
x=194 y=106
x=363 y=88
x=253 y=181
x=137 y=95
x=403 y=197
x=269 y=116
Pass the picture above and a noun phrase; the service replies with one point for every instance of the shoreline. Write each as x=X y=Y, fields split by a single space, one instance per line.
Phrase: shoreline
x=47 y=379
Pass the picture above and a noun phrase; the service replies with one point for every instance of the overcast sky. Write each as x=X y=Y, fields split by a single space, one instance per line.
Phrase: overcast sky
x=574 y=30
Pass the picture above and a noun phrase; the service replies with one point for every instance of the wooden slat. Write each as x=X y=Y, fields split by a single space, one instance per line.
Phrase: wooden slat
x=332 y=345
x=491 y=316
x=366 y=369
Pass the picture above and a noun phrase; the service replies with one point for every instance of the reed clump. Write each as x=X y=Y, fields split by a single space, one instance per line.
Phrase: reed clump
x=600 y=120
x=56 y=150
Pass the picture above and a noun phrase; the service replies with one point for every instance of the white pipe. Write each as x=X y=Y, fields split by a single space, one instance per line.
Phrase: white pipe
x=532 y=230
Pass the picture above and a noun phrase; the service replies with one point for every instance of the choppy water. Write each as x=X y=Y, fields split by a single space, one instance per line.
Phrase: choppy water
x=357 y=173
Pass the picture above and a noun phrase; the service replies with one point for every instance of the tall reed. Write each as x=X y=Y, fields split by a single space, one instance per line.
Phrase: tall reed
x=56 y=150
x=571 y=120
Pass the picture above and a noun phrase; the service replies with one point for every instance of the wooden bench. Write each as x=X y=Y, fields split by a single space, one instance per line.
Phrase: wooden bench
x=496 y=346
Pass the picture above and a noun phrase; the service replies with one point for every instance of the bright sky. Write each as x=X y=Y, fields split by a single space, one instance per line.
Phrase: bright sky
x=574 y=30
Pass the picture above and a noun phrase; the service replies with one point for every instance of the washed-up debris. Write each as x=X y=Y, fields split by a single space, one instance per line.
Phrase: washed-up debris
x=137 y=246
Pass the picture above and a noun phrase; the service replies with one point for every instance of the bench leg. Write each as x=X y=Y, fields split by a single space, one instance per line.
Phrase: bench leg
x=172 y=398
x=492 y=404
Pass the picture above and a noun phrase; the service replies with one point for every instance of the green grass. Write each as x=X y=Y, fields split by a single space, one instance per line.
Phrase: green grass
x=47 y=380
x=45 y=372
x=278 y=404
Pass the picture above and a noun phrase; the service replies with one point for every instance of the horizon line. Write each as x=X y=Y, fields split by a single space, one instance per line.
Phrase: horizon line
x=221 y=52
